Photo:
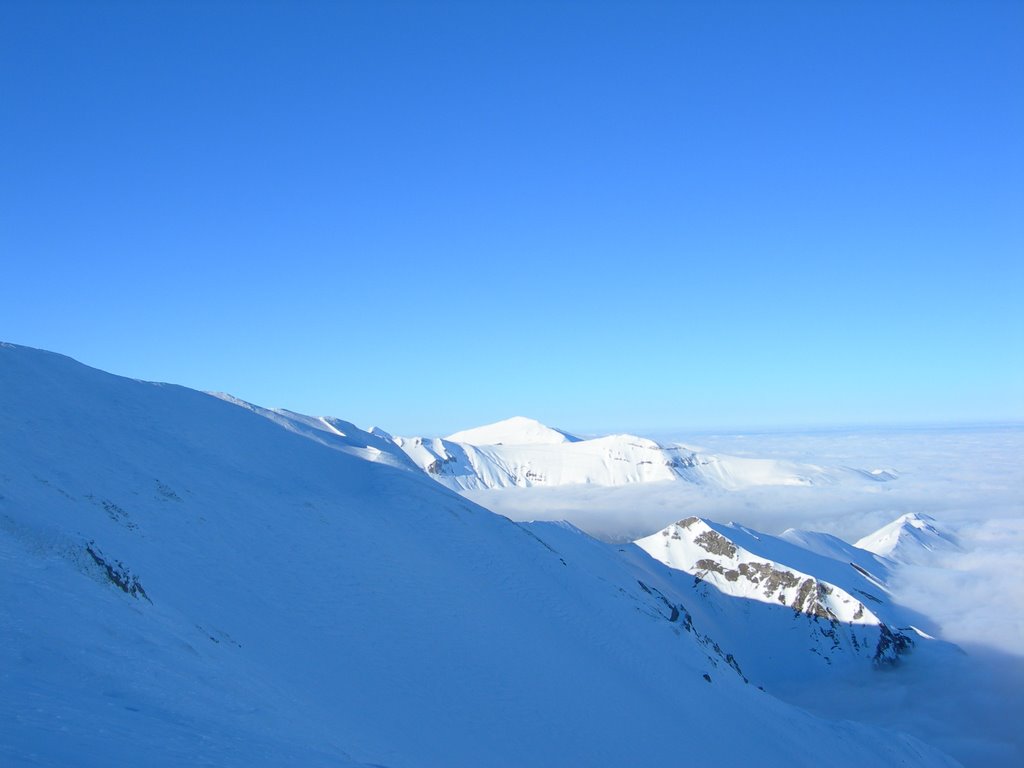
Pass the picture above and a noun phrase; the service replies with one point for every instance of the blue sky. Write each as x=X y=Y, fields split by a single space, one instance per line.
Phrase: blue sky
x=604 y=215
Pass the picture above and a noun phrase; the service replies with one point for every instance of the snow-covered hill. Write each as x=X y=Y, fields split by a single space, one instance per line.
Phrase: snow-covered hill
x=186 y=580
x=913 y=538
x=518 y=430
x=521 y=452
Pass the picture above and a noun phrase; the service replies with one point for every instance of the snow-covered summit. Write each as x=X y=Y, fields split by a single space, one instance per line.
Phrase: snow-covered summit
x=912 y=538
x=518 y=430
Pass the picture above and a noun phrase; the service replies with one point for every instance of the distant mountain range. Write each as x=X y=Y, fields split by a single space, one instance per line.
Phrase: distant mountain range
x=521 y=452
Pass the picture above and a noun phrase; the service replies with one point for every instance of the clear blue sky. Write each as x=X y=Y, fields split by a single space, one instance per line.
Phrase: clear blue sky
x=604 y=215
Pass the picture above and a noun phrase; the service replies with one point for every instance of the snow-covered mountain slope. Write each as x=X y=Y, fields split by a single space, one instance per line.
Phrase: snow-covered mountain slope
x=837 y=596
x=524 y=453
x=518 y=430
x=912 y=538
x=184 y=581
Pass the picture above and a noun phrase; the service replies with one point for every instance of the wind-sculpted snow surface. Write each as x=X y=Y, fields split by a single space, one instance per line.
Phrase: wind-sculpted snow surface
x=191 y=581
x=522 y=453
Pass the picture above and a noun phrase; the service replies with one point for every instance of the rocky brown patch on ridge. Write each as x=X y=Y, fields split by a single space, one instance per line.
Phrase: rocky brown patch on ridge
x=809 y=599
x=716 y=544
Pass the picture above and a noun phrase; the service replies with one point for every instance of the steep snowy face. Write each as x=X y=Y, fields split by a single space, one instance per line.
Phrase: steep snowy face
x=913 y=538
x=843 y=603
x=184 y=579
x=528 y=454
x=517 y=430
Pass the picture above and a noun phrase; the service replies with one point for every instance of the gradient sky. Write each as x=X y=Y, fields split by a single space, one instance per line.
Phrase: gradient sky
x=605 y=215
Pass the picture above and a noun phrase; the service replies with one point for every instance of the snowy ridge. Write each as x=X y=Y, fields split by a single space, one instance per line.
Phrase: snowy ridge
x=913 y=538
x=846 y=603
x=524 y=453
x=373 y=445
x=186 y=580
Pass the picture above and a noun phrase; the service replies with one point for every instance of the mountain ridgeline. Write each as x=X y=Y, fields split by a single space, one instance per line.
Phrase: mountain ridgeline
x=521 y=452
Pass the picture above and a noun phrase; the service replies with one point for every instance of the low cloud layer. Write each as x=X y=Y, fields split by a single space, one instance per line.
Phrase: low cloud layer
x=976 y=596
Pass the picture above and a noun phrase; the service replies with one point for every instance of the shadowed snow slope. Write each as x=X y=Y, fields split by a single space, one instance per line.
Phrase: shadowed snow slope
x=372 y=445
x=186 y=581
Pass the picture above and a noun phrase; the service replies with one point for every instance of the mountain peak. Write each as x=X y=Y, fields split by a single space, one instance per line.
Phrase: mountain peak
x=916 y=519
x=910 y=538
x=518 y=430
